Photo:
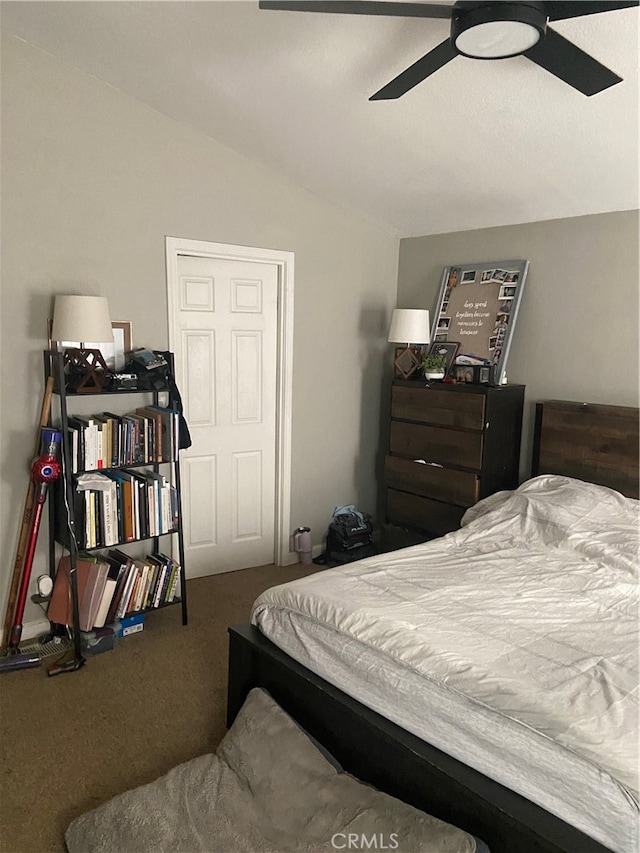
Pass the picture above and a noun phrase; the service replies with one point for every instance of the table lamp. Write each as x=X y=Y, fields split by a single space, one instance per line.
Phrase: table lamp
x=82 y=318
x=409 y=326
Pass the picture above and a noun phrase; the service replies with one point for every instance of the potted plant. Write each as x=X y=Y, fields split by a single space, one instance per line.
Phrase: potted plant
x=433 y=367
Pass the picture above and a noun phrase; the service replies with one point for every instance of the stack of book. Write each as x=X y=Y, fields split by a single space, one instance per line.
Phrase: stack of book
x=113 y=586
x=150 y=434
x=121 y=505
x=118 y=505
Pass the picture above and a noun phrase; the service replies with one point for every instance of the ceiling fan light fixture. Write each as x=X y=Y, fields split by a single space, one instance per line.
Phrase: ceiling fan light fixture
x=498 y=30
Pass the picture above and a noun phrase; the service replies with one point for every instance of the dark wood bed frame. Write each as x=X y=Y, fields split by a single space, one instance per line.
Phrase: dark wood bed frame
x=589 y=442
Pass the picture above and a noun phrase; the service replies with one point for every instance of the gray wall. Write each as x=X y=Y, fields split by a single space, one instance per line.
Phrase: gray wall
x=576 y=336
x=92 y=182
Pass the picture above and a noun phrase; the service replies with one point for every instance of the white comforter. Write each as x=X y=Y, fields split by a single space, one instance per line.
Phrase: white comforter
x=531 y=610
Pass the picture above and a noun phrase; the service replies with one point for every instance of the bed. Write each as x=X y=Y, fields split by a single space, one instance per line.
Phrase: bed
x=471 y=676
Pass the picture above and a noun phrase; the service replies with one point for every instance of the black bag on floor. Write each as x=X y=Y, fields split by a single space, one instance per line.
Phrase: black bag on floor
x=349 y=537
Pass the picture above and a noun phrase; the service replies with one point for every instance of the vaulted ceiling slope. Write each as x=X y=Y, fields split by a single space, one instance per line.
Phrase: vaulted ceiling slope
x=476 y=145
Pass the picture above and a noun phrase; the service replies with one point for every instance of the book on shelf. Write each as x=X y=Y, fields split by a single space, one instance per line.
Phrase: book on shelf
x=156 y=419
x=92 y=541
x=60 y=609
x=76 y=430
x=169 y=582
x=98 y=532
x=137 y=527
x=161 y=570
x=112 y=586
x=132 y=577
x=140 y=441
x=128 y=505
x=85 y=538
x=162 y=501
x=90 y=459
x=155 y=481
x=103 y=517
x=152 y=580
x=120 y=564
x=123 y=449
x=138 y=588
x=176 y=576
x=143 y=578
x=106 y=425
x=130 y=606
x=117 y=432
x=140 y=485
x=174 y=505
x=117 y=505
x=169 y=420
x=100 y=443
x=163 y=597
x=73 y=438
x=148 y=578
x=152 y=491
x=105 y=602
x=109 y=499
x=92 y=594
x=156 y=568
x=135 y=440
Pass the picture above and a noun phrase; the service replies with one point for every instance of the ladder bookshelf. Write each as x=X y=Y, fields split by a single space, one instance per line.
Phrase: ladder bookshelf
x=131 y=461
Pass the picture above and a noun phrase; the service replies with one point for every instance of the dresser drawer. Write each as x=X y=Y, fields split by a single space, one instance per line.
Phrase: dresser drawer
x=436 y=444
x=444 y=408
x=422 y=513
x=444 y=484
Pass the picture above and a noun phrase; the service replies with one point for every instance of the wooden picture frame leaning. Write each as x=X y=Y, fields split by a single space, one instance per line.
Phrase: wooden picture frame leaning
x=115 y=354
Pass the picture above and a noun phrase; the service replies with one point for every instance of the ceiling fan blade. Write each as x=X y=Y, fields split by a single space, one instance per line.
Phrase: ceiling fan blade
x=417 y=72
x=567 y=61
x=361 y=7
x=558 y=10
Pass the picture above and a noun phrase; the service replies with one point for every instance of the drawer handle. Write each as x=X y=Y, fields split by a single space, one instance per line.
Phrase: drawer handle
x=433 y=464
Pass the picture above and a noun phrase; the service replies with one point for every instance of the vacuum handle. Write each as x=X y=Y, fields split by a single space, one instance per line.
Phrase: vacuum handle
x=16 y=628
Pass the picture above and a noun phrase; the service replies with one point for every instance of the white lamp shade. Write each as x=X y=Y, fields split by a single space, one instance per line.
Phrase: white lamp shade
x=409 y=326
x=81 y=318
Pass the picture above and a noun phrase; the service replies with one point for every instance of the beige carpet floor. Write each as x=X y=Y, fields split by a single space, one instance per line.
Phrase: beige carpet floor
x=69 y=743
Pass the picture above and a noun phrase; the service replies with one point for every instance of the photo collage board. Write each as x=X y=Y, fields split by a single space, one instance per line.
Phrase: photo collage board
x=477 y=307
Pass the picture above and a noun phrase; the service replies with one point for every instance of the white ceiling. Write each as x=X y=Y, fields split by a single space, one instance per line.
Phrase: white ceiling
x=478 y=144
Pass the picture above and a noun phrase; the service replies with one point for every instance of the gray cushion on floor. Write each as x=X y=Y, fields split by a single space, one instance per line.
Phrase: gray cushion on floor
x=267 y=790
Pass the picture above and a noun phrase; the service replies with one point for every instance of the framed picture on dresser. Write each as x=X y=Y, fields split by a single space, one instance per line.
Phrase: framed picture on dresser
x=478 y=306
x=448 y=349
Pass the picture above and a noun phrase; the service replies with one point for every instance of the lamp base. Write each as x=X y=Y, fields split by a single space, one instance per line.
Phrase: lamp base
x=85 y=370
x=407 y=361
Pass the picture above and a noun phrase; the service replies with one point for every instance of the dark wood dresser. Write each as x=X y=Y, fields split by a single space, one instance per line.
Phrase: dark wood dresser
x=468 y=438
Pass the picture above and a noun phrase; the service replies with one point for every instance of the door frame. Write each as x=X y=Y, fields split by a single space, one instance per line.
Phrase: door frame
x=176 y=246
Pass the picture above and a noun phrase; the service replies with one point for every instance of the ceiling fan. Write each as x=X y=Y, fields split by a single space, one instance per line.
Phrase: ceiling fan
x=486 y=30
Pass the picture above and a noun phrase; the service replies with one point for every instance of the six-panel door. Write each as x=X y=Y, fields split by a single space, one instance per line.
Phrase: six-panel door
x=226 y=360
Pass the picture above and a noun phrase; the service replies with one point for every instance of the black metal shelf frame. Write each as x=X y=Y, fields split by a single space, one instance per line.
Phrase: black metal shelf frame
x=54 y=366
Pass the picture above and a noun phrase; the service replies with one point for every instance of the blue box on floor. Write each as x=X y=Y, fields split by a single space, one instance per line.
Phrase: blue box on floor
x=130 y=625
